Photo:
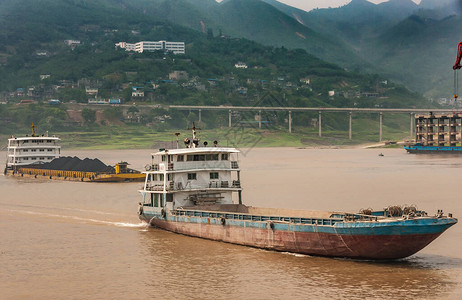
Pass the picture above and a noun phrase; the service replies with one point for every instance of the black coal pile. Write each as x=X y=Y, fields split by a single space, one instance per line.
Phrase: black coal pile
x=68 y=163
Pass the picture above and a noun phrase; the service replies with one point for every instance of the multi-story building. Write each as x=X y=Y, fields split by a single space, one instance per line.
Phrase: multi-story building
x=147 y=46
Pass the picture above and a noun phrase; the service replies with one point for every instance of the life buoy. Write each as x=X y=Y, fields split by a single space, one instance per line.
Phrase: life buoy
x=223 y=221
x=148 y=168
x=163 y=213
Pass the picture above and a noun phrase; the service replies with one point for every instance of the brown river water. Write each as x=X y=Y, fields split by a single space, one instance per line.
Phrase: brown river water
x=74 y=240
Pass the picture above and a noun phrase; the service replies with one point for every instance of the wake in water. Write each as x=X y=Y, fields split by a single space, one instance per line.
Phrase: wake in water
x=85 y=220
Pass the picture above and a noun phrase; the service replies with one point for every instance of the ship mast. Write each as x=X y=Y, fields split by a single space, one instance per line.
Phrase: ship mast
x=33 y=129
x=195 y=140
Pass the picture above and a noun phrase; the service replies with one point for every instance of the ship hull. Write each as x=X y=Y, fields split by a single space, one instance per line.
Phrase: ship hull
x=75 y=175
x=358 y=240
x=433 y=149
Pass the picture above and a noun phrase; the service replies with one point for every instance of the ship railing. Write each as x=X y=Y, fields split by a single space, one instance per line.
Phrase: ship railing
x=194 y=165
x=359 y=217
x=204 y=165
x=153 y=167
x=188 y=186
x=180 y=186
x=57 y=173
x=155 y=187
x=257 y=218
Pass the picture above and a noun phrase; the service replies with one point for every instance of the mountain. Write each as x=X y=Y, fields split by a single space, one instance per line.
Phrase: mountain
x=359 y=20
x=421 y=52
x=410 y=43
x=250 y=19
x=37 y=60
x=432 y=4
x=362 y=36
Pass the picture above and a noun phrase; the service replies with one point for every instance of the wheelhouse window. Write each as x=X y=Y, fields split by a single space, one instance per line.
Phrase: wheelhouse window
x=213 y=175
x=202 y=157
x=224 y=156
x=211 y=157
x=192 y=176
x=180 y=158
x=156 y=200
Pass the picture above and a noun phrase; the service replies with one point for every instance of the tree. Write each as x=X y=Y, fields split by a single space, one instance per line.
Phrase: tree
x=89 y=115
x=113 y=113
x=133 y=110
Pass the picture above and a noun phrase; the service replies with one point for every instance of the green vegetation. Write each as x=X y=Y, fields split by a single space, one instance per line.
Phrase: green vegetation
x=30 y=51
x=243 y=135
x=89 y=115
x=36 y=63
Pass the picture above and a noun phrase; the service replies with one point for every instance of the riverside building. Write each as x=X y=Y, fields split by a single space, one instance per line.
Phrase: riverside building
x=147 y=46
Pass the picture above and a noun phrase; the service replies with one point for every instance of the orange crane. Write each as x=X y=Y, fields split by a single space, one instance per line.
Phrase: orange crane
x=456 y=67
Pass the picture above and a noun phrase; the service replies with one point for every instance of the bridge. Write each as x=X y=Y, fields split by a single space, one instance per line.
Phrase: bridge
x=320 y=110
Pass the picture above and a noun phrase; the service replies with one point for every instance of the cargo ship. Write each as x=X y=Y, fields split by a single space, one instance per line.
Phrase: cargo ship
x=196 y=191
x=40 y=157
x=438 y=134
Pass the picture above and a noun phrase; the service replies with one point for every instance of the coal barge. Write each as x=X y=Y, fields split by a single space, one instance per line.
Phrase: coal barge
x=190 y=191
x=40 y=157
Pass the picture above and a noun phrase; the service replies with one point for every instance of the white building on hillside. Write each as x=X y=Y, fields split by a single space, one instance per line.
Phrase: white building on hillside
x=147 y=46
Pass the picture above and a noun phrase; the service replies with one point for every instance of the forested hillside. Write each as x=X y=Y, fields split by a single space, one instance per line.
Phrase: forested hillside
x=412 y=44
x=55 y=49
x=34 y=55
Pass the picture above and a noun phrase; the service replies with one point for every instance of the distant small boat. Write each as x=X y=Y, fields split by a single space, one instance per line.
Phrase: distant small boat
x=381 y=154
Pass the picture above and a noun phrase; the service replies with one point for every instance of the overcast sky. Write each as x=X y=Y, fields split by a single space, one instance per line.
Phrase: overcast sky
x=311 y=4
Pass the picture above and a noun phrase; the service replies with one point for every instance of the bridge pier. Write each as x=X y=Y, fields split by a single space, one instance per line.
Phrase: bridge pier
x=319 y=124
x=229 y=118
x=380 y=126
x=411 y=126
x=290 y=121
x=349 y=127
x=259 y=119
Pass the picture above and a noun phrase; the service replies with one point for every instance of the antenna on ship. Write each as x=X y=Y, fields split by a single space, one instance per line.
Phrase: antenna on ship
x=177 y=141
x=33 y=129
x=195 y=140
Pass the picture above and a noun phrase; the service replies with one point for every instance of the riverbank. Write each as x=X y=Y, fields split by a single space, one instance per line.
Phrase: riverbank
x=142 y=137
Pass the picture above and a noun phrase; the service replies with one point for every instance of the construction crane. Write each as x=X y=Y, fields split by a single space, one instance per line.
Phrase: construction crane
x=456 y=67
